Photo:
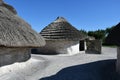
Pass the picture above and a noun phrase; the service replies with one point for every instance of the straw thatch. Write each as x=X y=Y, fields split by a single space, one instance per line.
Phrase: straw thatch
x=9 y=7
x=15 y=32
x=60 y=29
x=113 y=36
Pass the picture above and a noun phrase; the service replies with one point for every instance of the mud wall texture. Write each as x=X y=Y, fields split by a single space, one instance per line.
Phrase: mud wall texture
x=12 y=55
x=93 y=46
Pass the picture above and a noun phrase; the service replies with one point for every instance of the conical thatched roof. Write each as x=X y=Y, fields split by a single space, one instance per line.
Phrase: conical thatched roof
x=15 y=32
x=60 y=29
x=113 y=36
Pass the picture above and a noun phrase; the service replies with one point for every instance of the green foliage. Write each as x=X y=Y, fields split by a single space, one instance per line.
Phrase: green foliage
x=83 y=32
x=98 y=34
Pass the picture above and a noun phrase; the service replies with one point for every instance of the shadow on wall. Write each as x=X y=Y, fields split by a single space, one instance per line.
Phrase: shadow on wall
x=35 y=51
x=100 y=70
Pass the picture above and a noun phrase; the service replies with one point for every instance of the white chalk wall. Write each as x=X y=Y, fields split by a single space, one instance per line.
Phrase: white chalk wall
x=73 y=49
x=60 y=47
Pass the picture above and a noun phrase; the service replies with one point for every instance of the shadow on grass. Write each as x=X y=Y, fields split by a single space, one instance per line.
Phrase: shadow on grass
x=100 y=70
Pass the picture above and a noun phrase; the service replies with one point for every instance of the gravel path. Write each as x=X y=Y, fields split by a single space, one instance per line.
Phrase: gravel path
x=63 y=67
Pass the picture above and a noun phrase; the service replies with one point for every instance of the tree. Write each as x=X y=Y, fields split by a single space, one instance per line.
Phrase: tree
x=83 y=32
x=99 y=34
x=91 y=33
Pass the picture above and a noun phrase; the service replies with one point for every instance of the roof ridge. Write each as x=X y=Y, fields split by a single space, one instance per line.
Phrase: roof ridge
x=60 y=19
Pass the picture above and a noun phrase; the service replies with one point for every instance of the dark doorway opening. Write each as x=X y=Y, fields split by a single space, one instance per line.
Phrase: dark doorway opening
x=82 y=45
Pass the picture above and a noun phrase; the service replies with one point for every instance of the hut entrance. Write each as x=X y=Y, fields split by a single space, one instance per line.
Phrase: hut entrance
x=82 y=45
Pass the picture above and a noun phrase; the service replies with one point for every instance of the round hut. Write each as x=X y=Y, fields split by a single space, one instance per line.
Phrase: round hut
x=114 y=39
x=61 y=38
x=16 y=36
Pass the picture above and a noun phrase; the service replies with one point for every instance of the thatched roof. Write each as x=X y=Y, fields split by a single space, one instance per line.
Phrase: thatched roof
x=113 y=36
x=60 y=29
x=15 y=32
x=9 y=7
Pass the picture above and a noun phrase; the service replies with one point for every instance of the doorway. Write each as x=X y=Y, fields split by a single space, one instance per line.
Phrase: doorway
x=82 y=45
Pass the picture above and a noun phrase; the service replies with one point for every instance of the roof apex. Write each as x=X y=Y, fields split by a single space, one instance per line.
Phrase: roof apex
x=60 y=19
x=60 y=29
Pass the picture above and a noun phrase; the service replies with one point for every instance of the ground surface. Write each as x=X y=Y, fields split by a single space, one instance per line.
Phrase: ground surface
x=64 y=67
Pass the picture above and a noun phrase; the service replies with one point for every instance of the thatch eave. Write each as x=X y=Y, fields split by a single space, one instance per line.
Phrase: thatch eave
x=15 y=32
x=113 y=37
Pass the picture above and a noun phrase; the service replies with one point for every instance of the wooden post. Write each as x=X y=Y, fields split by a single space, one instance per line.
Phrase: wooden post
x=118 y=61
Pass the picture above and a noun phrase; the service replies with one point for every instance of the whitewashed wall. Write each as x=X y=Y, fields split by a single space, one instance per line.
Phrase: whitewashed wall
x=60 y=47
x=73 y=49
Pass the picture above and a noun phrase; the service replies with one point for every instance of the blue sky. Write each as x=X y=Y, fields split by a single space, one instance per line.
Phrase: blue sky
x=83 y=14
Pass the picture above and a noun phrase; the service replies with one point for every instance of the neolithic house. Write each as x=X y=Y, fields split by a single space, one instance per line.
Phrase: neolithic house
x=113 y=38
x=16 y=36
x=61 y=38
